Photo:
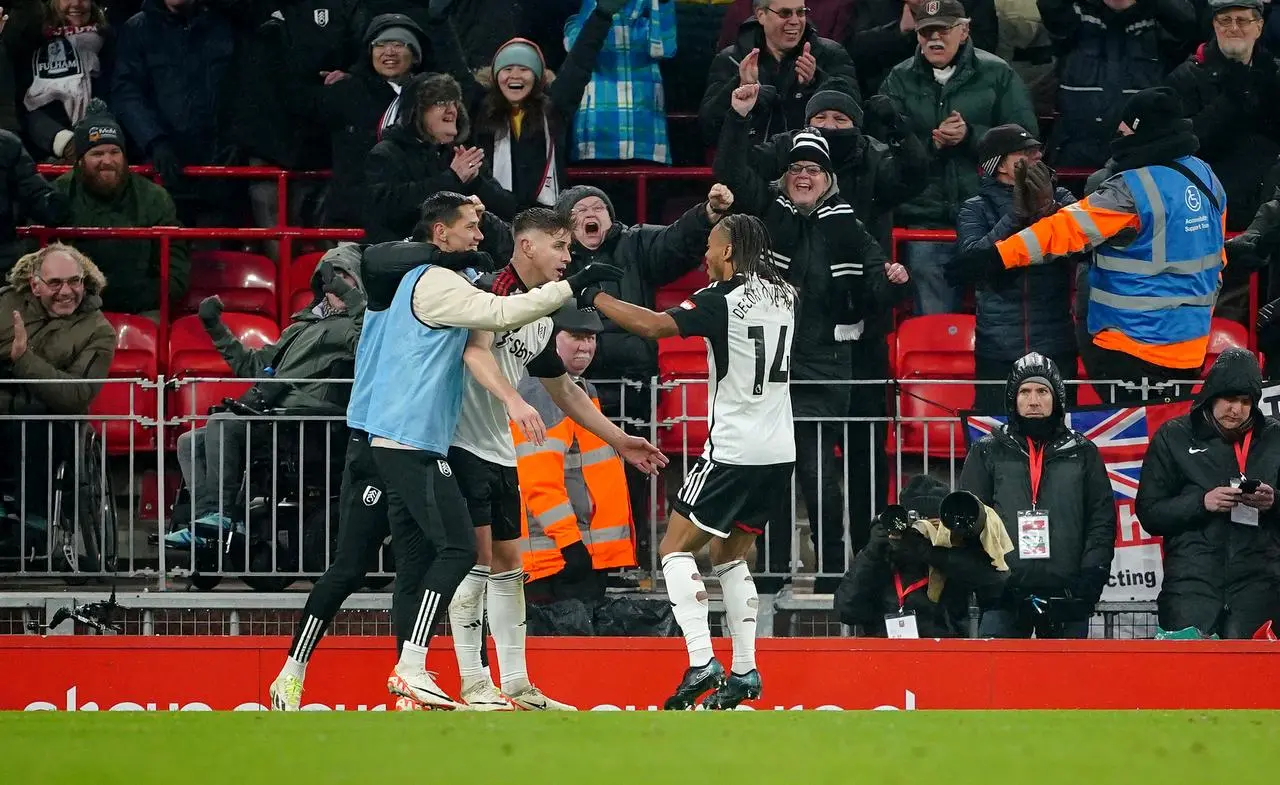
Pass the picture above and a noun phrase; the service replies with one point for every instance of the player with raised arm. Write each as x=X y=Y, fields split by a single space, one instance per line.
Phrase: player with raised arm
x=483 y=457
x=747 y=316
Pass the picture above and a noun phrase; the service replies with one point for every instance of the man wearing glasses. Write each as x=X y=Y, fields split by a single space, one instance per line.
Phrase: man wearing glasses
x=1229 y=88
x=952 y=94
x=51 y=329
x=781 y=51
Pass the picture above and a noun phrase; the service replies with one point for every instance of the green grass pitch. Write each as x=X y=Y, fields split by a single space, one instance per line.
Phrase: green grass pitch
x=775 y=747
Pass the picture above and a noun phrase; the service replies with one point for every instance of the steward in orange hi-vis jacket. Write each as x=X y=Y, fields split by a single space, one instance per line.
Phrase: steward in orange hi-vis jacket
x=1157 y=229
x=573 y=489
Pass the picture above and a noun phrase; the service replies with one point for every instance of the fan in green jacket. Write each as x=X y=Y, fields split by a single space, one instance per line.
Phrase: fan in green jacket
x=103 y=192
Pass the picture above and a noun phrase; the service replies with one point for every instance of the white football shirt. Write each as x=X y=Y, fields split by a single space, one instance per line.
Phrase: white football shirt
x=748 y=324
x=483 y=428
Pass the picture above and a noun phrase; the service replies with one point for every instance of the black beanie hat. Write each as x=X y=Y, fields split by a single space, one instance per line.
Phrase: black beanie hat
x=924 y=494
x=571 y=196
x=97 y=128
x=833 y=100
x=1154 y=111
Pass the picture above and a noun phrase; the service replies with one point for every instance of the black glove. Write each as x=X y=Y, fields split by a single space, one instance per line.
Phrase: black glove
x=610 y=7
x=461 y=260
x=969 y=267
x=210 y=312
x=1268 y=325
x=882 y=113
x=331 y=282
x=1089 y=584
x=166 y=162
x=912 y=548
x=577 y=561
x=592 y=274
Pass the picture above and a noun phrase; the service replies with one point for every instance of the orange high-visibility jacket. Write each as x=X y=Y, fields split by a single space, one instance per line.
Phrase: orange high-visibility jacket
x=1158 y=244
x=572 y=488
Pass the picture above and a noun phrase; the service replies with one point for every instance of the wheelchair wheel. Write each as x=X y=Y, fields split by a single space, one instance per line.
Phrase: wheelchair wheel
x=261 y=578
x=204 y=582
x=97 y=504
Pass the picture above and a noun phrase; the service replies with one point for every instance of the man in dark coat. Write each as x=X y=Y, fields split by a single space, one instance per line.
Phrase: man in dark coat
x=1019 y=312
x=1221 y=544
x=883 y=34
x=25 y=197
x=1050 y=487
x=778 y=49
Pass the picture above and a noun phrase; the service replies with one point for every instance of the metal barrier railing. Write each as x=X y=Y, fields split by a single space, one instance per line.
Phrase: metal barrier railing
x=284 y=473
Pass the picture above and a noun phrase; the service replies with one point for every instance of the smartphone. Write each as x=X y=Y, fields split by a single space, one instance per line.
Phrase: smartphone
x=1250 y=486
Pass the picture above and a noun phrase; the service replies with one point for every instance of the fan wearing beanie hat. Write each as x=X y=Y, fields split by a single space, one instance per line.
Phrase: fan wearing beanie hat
x=102 y=192
x=1157 y=231
x=524 y=113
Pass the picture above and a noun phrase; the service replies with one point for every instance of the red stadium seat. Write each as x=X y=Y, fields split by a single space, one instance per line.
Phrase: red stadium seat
x=678 y=291
x=1223 y=334
x=933 y=347
x=684 y=360
x=135 y=358
x=191 y=355
x=246 y=282
x=300 y=272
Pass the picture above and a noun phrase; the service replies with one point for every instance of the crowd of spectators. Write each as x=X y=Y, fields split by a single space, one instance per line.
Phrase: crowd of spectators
x=833 y=120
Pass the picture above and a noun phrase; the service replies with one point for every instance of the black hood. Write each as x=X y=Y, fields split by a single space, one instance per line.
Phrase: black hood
x=422 y=91
x=1032 y=366
x=1235 y=372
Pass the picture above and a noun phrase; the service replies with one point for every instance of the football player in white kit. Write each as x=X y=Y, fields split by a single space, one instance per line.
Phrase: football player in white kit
x=747 y=316
x=483 y=457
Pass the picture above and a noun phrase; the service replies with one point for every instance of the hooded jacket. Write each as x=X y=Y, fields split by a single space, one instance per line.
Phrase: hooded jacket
x=1074 y=491
x=985 y=90
x=405 y=168
x=1213 y=566
x=132 y=266
x=352 y=110
x=825 y=252
x=1236 y=117
x=320 y=347
x=783 y=108
x=79 y=346
x=1018 y=312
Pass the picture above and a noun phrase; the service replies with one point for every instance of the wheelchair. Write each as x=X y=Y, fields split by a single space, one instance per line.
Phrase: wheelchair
x=289 y=497
x=61 y=519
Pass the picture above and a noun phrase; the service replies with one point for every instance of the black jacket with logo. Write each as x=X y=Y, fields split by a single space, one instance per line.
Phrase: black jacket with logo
x=1212 y=566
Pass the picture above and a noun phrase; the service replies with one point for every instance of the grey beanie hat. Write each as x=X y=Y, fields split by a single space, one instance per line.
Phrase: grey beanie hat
x=402 y=35
x=518 y=51
x=571 y=196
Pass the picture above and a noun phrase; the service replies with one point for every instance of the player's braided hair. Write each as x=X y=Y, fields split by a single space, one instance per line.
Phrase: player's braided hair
x=750 y=242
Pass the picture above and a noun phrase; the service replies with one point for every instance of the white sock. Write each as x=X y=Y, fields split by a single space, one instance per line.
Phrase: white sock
x=466 y=620
x=413 y=659
x=688 y=597
x=741 y=603
x=506 y=622
x=294 y=668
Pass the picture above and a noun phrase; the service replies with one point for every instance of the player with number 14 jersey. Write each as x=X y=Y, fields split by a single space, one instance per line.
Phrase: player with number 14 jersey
x=747 y=317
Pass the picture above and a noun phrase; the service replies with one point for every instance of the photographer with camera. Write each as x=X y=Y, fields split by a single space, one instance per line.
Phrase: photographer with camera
x=321 y=340
x=1050 y=487
x=1208 y=489
x=915 y=576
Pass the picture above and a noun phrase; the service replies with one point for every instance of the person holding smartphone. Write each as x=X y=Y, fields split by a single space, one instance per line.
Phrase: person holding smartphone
x=1208 y=487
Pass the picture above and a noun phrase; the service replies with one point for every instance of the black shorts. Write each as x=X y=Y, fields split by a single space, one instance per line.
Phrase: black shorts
x=719 y=497
x=492 y=493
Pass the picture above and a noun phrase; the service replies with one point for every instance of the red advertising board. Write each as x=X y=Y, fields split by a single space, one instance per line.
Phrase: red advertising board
x=225 y=673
